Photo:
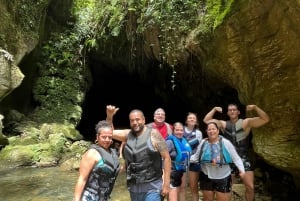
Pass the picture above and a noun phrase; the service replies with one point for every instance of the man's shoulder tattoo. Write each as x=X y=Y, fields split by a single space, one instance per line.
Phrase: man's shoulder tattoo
x=159 y=141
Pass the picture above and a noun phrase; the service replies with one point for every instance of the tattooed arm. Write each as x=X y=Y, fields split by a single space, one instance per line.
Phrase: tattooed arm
x=160 y=145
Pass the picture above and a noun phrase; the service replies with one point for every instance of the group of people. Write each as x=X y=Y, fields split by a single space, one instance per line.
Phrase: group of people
x=161 y=159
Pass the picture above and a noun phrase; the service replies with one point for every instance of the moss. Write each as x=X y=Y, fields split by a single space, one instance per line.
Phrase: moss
x=21 y=154
x=51 y=150
x=23 y=19
x=60 y=87
x=26 y=15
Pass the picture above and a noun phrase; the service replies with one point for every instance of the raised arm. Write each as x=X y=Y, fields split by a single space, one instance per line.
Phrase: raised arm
x=120 y=135
x=160 y=145
x=256 y=122
x=209 y=117
x=110 y=112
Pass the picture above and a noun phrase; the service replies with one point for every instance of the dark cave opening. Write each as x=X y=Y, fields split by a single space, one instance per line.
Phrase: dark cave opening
x=126 y=90
x=130 y=90
x=115 y=84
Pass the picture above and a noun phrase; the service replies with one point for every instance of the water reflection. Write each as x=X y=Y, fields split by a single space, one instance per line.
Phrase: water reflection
x=47 y=184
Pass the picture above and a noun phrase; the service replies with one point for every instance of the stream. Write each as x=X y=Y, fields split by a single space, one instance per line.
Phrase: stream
x=47 y=184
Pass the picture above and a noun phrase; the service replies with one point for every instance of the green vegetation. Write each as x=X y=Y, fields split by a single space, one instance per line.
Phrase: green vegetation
x=60 y=87
x=28 y=14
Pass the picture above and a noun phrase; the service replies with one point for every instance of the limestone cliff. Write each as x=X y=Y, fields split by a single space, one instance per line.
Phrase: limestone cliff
x=256 y=52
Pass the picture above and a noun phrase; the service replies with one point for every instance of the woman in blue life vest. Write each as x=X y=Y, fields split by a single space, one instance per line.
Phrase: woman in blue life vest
x=194 y=136
x=215 y=154
x=180 y=151
x=99 y=167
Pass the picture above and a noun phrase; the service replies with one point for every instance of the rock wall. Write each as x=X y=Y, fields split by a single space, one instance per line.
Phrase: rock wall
x=10 y=74
x=256 y=51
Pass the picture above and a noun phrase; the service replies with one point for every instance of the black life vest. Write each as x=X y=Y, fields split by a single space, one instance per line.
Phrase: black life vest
x=143 y=164
x=237 y=136
x=103 y=176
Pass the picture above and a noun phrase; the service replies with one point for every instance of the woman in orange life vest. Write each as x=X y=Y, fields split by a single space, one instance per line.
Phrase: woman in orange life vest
x=215 y=155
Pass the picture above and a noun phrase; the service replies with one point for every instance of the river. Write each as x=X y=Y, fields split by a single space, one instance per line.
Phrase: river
x=54 y=184
x=47 y=184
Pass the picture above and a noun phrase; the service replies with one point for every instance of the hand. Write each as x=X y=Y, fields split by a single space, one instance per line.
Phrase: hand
x=219 y=109
x=111 y=110
x=165 y=190
x=242 y=175
x=250 y=107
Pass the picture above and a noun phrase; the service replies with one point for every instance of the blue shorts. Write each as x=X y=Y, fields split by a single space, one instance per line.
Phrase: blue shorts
x=146 y=196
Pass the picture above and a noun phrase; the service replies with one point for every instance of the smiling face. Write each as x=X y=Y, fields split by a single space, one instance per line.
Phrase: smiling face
x=137 y=121
x=159 y=116
x=105 y=137
x=191 y=120
x=178 y=130
x=212 y=132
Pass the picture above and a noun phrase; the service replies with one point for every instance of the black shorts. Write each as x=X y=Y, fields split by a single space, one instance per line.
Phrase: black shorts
x=220 y=185
x=195 y=167
x=176 y=178
x=247 y=165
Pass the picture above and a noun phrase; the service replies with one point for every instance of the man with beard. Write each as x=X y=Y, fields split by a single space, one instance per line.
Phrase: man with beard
x=147 y=160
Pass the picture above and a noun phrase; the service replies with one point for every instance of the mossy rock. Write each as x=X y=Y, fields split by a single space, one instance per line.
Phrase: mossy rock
x=68 y=130
x=3 y=140
x=23 y=140
x=40 y=154
x=20 y=155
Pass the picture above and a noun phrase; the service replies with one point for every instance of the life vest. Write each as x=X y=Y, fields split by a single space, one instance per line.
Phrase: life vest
x=237 y=136
x=103 y=175
x=214 y=153
x=191 y=138
x=183 y=150
x=164 y=135
x=143 y=164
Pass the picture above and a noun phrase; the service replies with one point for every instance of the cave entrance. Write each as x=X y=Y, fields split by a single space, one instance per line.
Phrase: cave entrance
x=128 y=90
x=115 y=84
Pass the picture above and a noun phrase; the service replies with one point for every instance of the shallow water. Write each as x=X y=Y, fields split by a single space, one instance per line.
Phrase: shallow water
x=47 y=184
x=54 y=184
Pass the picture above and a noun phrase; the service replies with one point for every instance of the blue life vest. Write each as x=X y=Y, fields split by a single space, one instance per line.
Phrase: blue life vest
x=214 y=153
x=183 y=150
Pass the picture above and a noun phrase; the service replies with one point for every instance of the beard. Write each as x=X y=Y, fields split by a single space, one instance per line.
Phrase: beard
x=137 y=129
